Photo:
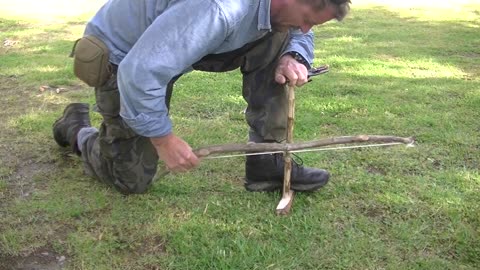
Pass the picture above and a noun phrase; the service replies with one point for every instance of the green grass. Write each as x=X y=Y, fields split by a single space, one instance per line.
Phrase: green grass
x=403 y=69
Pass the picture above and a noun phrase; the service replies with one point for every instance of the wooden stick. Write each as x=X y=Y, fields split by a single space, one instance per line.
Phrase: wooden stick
x=284 y=147
x=285 y=203
x=270 y=147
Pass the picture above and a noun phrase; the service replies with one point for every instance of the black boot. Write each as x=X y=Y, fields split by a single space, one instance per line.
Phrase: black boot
x=65 y=129
x=265 y=173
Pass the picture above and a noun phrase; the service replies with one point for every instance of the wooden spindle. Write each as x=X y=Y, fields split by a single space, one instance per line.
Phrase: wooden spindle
x=285 y=203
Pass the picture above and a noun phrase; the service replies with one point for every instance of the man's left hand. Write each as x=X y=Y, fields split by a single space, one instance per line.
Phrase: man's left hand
x=291 y=71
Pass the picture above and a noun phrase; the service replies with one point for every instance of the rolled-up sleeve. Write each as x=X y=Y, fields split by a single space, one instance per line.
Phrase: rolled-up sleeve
x=301 y=43
x=169 y=46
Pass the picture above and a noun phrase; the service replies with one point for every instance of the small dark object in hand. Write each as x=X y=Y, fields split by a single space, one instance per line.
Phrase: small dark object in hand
x=317 y=71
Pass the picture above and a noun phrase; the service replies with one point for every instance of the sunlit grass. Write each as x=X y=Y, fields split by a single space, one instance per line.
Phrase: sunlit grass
x=398 y=68
x=48 y=11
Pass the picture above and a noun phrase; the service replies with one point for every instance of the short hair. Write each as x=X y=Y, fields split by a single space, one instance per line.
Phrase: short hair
x=342 y=7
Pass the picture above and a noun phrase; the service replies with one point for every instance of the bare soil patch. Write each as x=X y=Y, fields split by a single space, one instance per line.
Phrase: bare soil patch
x=18 y=170
x=42 y=259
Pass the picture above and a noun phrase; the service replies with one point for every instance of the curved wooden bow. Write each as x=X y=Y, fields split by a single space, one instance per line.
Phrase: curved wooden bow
x=287 y=148
x=292 y=147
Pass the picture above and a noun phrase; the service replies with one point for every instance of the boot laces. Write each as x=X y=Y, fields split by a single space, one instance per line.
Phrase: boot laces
x=295 y=158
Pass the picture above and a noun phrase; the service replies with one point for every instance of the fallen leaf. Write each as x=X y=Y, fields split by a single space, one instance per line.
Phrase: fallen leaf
x=44 y=87
x=9 y=43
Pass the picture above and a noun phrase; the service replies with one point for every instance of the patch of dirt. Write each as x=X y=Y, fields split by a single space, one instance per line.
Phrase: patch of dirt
x=153 y=245
x=19 y=169
x=21 y=183
x=43 y=259
x=378 y=213
x=471 y=55
x=375 y=170
x=374 y=211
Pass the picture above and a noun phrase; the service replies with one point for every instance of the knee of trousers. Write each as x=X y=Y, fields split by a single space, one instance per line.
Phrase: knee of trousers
x=132 y=166
x=119 y=158
x=133 y=177
x=127 y=161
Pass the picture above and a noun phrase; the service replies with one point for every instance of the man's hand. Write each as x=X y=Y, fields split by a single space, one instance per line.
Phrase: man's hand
x=175 y=152
x=291 y=70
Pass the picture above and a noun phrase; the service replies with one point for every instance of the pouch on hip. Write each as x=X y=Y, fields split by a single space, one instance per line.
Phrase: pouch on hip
x=90 y=62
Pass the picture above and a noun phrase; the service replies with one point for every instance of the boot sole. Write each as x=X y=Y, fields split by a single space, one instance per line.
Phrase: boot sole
x=56 y=135
x=263 y=186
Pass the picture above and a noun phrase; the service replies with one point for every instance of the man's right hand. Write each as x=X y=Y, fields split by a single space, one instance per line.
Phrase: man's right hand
x=175 y=152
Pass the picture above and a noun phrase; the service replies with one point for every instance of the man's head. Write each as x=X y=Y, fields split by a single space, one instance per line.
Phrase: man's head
x=341 y=7
x=304 y=14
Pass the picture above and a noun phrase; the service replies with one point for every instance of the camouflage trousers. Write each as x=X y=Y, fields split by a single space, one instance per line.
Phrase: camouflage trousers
x=119 y=157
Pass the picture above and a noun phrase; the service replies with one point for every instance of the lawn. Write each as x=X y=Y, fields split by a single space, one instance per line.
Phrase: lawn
x=403 y=68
